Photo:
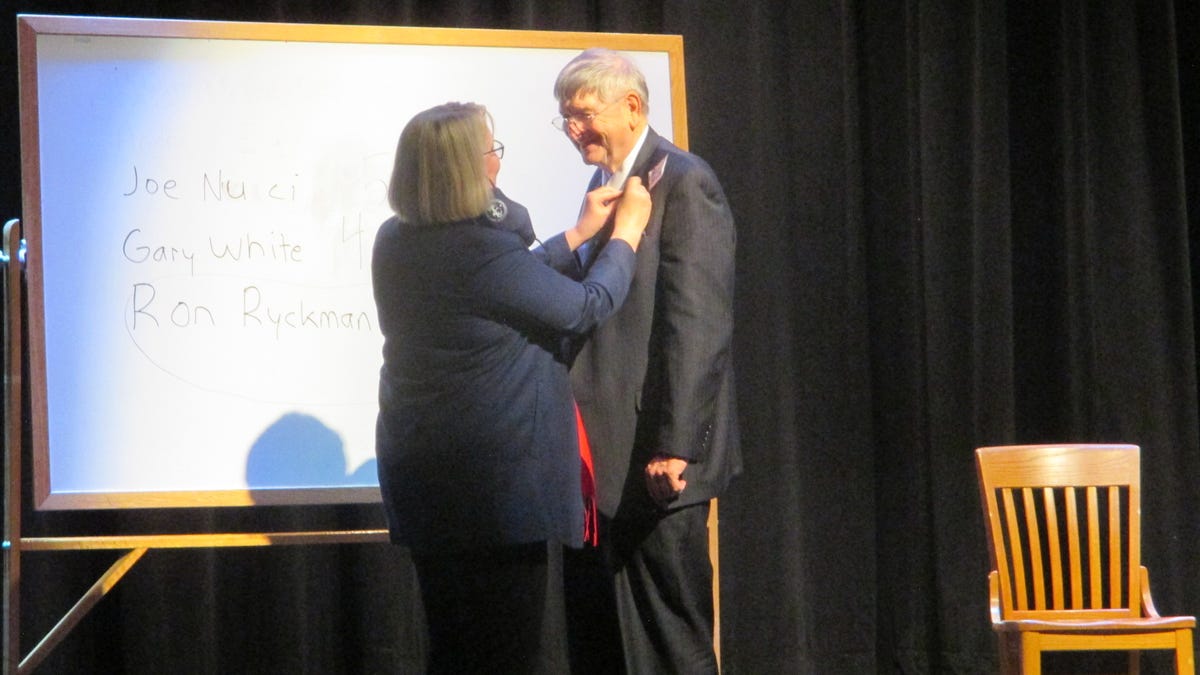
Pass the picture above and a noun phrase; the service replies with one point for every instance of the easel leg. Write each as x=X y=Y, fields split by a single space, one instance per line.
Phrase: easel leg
x=72 y=618
x=13 y=360
x=12 y=602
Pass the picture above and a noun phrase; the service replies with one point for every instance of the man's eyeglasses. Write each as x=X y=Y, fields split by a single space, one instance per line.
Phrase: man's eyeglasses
x=497 y=150
x=580 y=120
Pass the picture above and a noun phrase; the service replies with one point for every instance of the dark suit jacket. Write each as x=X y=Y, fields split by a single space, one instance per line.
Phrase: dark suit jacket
x=658 y=376
x=476 y=439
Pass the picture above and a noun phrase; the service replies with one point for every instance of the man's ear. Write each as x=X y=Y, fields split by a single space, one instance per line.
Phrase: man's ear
x=636 y=107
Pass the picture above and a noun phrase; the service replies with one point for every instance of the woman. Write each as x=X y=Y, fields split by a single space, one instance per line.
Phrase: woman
x=476 y=440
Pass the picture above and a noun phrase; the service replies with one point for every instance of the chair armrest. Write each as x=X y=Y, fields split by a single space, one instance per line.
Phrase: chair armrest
x=1148 y=609
x=994 y=596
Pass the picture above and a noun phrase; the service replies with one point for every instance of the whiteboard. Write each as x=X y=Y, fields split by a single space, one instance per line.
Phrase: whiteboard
x=200 y=202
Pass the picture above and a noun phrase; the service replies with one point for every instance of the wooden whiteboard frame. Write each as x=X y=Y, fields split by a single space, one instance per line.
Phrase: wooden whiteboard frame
x=32 y=26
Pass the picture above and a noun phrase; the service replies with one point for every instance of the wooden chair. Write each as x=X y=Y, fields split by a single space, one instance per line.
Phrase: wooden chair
x=1064 y=533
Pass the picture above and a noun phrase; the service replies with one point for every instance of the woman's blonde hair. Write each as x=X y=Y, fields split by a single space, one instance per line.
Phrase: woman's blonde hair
x=439 y=175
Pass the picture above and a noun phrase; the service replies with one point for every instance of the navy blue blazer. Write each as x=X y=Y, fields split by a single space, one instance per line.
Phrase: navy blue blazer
x=475 y=439
x=658 y=376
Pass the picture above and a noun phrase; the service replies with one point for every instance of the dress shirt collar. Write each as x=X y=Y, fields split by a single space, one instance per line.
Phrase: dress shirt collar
x=617 y=179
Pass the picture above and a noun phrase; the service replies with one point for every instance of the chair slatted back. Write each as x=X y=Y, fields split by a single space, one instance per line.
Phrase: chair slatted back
x=1064 y=529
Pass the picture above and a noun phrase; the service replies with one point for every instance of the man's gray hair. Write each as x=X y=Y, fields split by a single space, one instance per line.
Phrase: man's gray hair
x=604 y=72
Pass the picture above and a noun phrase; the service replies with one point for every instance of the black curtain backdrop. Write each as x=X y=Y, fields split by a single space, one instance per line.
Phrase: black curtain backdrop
x=960 y=224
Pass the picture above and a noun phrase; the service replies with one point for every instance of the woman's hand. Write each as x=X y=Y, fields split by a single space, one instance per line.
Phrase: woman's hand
x=598 y=205
x=633 y=212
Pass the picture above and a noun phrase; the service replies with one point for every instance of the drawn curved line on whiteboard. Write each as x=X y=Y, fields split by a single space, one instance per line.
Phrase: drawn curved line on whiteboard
x=359 y=397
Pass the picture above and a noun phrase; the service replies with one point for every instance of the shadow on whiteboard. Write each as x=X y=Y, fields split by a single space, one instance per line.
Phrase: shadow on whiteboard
x=299 y=451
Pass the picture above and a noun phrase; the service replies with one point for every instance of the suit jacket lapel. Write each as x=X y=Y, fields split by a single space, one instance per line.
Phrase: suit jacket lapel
x=652 y=151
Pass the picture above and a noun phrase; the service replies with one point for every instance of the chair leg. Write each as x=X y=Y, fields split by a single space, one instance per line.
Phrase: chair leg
x=1031 y=654
x=1135 y=662
x=1185 y=661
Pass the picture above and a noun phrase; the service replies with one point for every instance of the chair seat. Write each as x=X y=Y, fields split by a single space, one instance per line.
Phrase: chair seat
x=1161 y=623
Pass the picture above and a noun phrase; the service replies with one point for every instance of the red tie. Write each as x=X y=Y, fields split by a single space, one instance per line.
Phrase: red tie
x=591 y=534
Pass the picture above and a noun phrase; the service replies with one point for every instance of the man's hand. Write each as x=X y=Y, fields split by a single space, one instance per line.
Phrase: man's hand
x=663 y=478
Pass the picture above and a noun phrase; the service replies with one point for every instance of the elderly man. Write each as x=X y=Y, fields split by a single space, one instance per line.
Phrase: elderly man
x=655 y=383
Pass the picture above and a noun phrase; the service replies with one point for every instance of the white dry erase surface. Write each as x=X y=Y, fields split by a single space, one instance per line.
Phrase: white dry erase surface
x=200 y=205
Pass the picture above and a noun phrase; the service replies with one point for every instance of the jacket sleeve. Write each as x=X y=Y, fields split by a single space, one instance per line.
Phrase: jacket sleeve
x=527 y=292
x=695 y=310
x=555 y=253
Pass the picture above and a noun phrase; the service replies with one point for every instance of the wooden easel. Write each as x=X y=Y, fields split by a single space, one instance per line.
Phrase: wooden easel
x=135 y=545
x=18 y=349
